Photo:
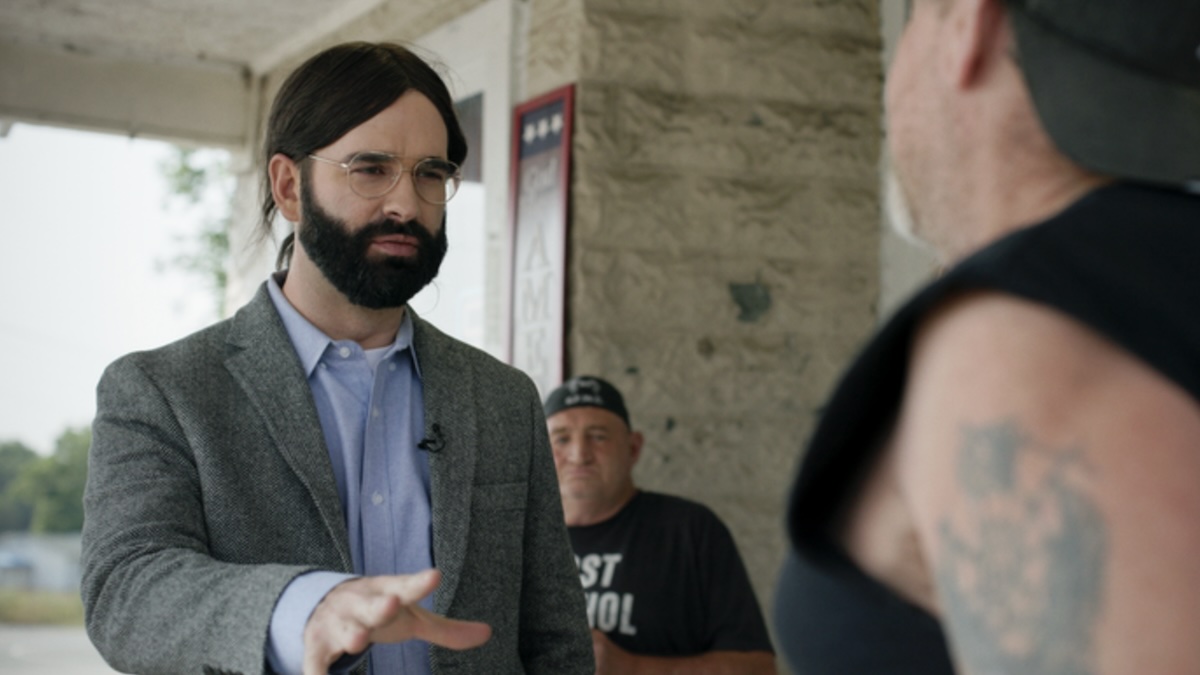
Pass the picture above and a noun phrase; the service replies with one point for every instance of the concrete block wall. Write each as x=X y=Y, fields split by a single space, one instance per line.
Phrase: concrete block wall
x=724 y=243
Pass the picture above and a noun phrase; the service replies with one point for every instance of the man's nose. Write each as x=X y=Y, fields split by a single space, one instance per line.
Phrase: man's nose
x=402 y=203
x=578 y=452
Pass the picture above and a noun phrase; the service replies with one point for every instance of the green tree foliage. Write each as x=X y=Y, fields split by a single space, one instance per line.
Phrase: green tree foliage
x=200 y=180
x=53 y=486
x=14 y=513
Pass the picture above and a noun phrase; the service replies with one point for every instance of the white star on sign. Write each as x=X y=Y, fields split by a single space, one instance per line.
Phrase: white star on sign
x=530 y=134
x=556 y=124
x=543 y=127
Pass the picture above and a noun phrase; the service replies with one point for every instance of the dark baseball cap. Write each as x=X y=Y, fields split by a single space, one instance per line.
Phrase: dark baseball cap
x=1116 y=83
x=587 y=390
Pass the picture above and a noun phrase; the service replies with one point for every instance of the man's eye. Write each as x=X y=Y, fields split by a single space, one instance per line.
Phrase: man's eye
x=371 y=169
x=433 y=172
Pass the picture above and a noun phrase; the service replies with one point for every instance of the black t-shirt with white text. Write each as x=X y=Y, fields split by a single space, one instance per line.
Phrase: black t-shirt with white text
x=663 y=577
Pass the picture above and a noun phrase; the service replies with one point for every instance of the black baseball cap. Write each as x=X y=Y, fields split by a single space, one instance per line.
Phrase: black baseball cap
x=587 y=390
x=1116 y=83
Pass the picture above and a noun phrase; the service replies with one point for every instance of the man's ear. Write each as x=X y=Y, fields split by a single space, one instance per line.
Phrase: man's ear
x=285 y=186
x=979 y=35
x=636 y=439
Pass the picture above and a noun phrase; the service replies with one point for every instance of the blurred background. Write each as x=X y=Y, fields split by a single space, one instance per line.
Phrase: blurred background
x=113 y=245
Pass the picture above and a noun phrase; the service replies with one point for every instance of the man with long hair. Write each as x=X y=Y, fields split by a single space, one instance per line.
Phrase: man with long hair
x=325 y=480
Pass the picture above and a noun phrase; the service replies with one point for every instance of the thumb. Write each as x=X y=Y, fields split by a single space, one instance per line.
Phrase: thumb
x=416 y=587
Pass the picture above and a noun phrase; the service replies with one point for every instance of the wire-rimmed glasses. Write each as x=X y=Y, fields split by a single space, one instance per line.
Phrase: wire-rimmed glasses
x=373 y=174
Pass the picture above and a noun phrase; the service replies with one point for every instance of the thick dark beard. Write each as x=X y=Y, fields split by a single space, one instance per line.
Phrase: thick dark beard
x=342 y=256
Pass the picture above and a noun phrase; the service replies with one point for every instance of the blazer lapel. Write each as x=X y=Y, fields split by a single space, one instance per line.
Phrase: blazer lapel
x=448 y=382
x=263 y=361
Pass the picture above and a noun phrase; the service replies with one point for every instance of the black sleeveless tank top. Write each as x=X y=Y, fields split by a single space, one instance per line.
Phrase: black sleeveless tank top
x=1123 y=260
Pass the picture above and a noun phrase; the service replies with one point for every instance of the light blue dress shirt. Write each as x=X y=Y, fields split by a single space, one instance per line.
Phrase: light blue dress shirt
x=370 y=404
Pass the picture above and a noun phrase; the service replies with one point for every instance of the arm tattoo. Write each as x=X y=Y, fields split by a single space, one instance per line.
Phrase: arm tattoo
x=1020 y=571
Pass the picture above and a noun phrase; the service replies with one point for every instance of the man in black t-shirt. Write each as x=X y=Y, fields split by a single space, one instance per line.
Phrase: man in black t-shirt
x=665 y=587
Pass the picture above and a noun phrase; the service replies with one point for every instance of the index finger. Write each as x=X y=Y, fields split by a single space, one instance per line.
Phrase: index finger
x=447 y=632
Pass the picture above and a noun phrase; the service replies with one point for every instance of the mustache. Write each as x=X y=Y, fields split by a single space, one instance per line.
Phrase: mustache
x=384 y=227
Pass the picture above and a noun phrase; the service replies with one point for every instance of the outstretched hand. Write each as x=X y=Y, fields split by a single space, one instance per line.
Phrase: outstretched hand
x=366 y=610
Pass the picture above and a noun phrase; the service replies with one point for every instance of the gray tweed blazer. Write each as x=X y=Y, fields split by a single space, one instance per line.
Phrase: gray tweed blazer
x=210 y=488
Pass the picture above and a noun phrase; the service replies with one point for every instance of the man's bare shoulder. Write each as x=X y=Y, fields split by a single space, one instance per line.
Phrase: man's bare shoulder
x=1050 y=475
x=988 y=349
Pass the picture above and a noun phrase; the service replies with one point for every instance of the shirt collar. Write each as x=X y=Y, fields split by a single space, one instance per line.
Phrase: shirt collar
x=311 y=342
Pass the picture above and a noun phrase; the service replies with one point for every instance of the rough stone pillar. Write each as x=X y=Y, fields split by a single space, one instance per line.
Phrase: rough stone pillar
x=724 y=228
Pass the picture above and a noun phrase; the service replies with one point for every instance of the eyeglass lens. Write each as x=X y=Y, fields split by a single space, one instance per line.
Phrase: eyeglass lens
x=374 y=174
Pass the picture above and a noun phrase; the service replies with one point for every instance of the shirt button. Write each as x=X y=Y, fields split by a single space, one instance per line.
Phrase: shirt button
x=344 y=351
x=391 y=366
x=374 y=412
x=376 y=499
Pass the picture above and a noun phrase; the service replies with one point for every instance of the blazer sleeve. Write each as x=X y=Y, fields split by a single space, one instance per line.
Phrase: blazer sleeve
x=156 y=600
x=555 y=637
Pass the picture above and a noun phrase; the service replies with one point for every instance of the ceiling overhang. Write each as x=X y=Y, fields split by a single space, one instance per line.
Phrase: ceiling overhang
x=181 y=70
